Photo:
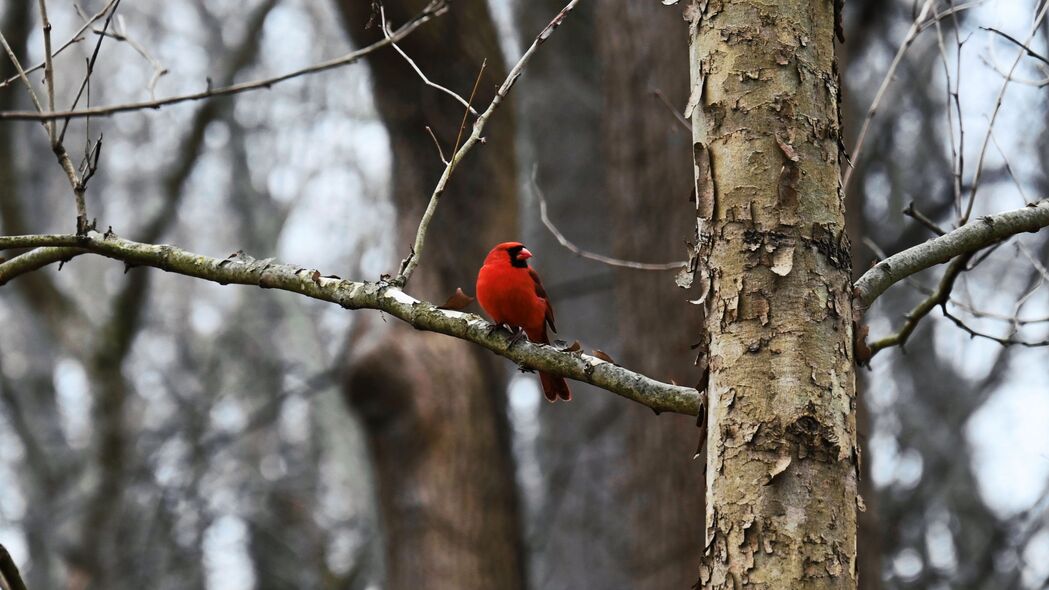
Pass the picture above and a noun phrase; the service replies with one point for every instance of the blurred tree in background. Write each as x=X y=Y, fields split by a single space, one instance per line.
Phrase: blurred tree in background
x=162 y=432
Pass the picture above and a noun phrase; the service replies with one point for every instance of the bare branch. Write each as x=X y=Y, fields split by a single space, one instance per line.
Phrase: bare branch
x=953 y=96
x=682 y=121
x=1023 y=46
x=383 y=296
x=986 y=231
x=1014 y=319
x=34 y=260
x=923 y=219
x=121 y=34
x=409 y=264
x=994 y=115
x=84 y=84
x=912 y=34
x=49 y=68
x=21 y=73
x=938 y=297
x=77 y=37
x=920 y=24
x=590 y=255
x=433 y=9
x=9 y=571
x=56 y=146
x=437 y=143
x=418 y=70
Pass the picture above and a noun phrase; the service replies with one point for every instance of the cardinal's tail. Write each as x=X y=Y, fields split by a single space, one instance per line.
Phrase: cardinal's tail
x=555 y=388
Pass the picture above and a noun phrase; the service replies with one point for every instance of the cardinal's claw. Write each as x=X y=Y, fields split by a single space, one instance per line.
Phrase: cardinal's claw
x=516 y=336
x=525 y=369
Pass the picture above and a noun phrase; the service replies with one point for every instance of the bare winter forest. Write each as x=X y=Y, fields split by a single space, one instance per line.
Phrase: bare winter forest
x=806 y=234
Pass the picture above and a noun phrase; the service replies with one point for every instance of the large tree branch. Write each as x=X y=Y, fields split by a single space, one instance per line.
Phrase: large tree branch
x=34 y=260
x=382 y=296
x=979 y=234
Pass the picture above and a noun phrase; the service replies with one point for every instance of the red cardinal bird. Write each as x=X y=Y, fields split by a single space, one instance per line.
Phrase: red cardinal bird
x=511 y=293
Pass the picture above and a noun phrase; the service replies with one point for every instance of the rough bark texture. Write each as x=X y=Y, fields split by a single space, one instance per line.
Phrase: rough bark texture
x=433 y=407
x=782 y=463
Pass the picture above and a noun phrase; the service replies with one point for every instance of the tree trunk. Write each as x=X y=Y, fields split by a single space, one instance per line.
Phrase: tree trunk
x=782 y=464
x=434 y=407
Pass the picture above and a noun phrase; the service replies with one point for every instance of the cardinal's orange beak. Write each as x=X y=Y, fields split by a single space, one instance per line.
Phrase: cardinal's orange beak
x=524 y=254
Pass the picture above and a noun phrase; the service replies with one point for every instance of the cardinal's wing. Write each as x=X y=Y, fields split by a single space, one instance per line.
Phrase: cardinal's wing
x=541 y=292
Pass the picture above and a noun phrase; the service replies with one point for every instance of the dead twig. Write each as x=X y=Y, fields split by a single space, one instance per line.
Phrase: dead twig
x=561 y=239
x=76 y=38
x=912 y=34
x=433 y=9
x=49 y=69
x=386 y=32
x=410 y=262
x=994 y=115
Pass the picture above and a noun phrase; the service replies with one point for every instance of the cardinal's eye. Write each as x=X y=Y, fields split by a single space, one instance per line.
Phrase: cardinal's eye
x=514 y=252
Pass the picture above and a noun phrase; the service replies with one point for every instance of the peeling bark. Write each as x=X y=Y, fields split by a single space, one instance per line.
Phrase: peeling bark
x=781 y=467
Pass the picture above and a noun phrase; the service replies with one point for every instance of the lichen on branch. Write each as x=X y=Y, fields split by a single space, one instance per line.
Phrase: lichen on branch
x=379 y=295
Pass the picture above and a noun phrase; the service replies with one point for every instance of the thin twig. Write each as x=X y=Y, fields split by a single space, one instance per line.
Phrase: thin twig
x=590 y=255
x=437 y=143
x=677 y=116
x=1026 y=49
x=409 y=264
x=49 y=69
x=433 y=9
x=994 y=117
x=1038 y=266
x=120 y=34
x=21 y=73
x=1010 y=341
x=953 y=12
x=59 y=150
x=1009 y=170
x=449 y=92
x=90 y=67
x=469 y=109
x=77 y=37
x=915 y=316
x=923 y=219
x=957 y=155
x=912 y=34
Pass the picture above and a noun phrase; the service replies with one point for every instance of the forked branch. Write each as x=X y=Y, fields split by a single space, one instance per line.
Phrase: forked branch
x=971 y=237
x=410 y=262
